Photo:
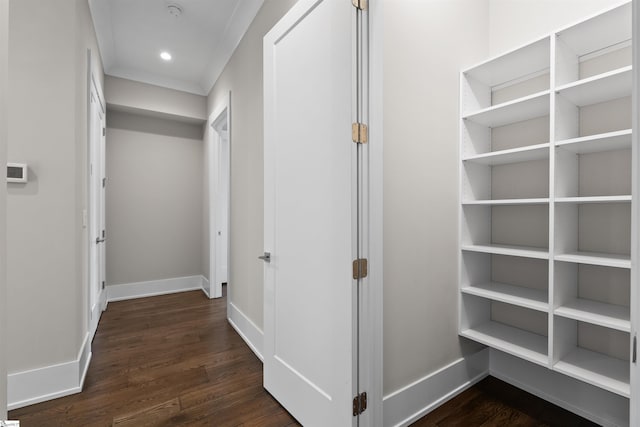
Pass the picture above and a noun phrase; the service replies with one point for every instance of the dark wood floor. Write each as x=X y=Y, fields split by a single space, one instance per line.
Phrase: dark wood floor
x=173 y=360
x=494 y=403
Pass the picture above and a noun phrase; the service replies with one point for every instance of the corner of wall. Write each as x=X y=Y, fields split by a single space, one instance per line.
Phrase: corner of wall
x=4 y=24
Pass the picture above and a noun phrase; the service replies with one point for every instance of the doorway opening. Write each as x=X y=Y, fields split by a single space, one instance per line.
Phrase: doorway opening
x=219 y=166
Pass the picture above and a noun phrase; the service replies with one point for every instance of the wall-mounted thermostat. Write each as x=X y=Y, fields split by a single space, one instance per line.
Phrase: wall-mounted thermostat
x=16 y=172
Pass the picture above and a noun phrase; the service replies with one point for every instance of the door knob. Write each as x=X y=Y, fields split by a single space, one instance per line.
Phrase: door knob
x=266 y=257
x=99 y=240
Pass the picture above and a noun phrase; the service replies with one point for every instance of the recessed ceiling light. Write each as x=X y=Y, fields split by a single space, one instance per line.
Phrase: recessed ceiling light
x=165 y=55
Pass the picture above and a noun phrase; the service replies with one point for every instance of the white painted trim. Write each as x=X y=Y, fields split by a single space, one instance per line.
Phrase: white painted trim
x=247 y=330
x=588 y=401
x=49 y=382
x=153 y=288
x=413 y=401
x=205 y=287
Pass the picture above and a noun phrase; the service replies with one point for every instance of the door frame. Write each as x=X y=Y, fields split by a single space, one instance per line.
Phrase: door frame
x=372 y=296
x=221 y=115
x=88 y=217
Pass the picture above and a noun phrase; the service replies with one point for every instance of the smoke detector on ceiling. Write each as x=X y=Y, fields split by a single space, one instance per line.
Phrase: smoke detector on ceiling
x=174 y=9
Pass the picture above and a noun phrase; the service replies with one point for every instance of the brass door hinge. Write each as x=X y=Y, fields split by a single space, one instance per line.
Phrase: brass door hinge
x=359 y=133
x=360 y=4
x=359 y=404
x=360 y=268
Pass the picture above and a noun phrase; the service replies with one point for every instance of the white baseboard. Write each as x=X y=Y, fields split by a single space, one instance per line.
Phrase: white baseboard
x=154 y=287
x=50 y=382
x=248 y=330
x=412 y=402
x=205 y=287
x=598 y=405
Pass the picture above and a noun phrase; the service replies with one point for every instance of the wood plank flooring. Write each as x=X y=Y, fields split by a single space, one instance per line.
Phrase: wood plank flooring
x=494 y=403
x=170 y=360
x=173 y=360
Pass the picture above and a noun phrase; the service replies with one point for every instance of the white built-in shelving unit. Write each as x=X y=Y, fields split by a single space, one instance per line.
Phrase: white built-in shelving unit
x=545 y=201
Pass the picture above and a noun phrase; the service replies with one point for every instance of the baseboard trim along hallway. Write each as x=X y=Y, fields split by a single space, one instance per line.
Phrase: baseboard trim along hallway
x=50 y=382
x=247 y=330
x=426 y=394
x=154 y=287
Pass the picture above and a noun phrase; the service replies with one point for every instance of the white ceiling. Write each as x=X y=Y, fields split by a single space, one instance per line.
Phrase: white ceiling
x=132 y=33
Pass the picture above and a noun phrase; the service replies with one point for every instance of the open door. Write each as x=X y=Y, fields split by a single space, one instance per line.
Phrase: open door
x=97 y=184
x=219 y=166
x=311 y=203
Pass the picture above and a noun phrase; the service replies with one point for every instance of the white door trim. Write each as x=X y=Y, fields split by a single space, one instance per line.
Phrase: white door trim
x=372 y=292
x=220 y=113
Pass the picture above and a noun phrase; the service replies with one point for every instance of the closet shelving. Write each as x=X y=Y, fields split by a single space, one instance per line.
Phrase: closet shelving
x=545 y=194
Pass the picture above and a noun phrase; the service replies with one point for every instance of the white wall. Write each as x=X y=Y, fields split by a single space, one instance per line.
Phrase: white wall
x=4 y=25
x=154 y=199
x=243 y=77
x=426 y=43
x=46 y=268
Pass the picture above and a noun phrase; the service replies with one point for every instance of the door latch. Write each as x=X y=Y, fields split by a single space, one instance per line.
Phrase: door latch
x=266 y=257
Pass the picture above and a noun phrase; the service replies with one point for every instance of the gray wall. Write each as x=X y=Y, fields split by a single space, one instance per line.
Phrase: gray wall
x=46 y=268
x=154 y=198
x=420 y=179
x=140 y=97
x=4 y=25
x=243 y=77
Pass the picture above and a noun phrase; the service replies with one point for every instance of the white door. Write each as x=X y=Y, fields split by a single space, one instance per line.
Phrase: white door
x=222 y=206
x=310 y=332
x=97 y=182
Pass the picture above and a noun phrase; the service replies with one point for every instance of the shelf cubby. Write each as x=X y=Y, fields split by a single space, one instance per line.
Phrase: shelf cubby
x=523 y=180
x=594 y=174
x=593 y=354
x=593 y=294
x=594 y=46
x=514 y=330
x=513 y=280
x=506 y=228
x=593 y=233
x=516 y=75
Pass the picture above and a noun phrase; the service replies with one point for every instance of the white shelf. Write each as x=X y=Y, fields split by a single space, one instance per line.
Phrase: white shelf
x=594 y=258
x=515 y=155
x=525 y=108
x=534 y=299
x=599 y=32
x=516 y=64
x=604 y=371
x=511 y=250
x=597 y=313
x=518 y=342
x=594 y=199
x=610 y=141
x=507 y=202
x=603 y=87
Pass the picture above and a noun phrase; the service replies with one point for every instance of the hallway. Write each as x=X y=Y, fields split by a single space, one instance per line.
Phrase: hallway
x=166 y=360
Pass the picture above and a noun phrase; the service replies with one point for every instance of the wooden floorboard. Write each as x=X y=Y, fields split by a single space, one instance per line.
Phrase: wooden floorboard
x=174 y=360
